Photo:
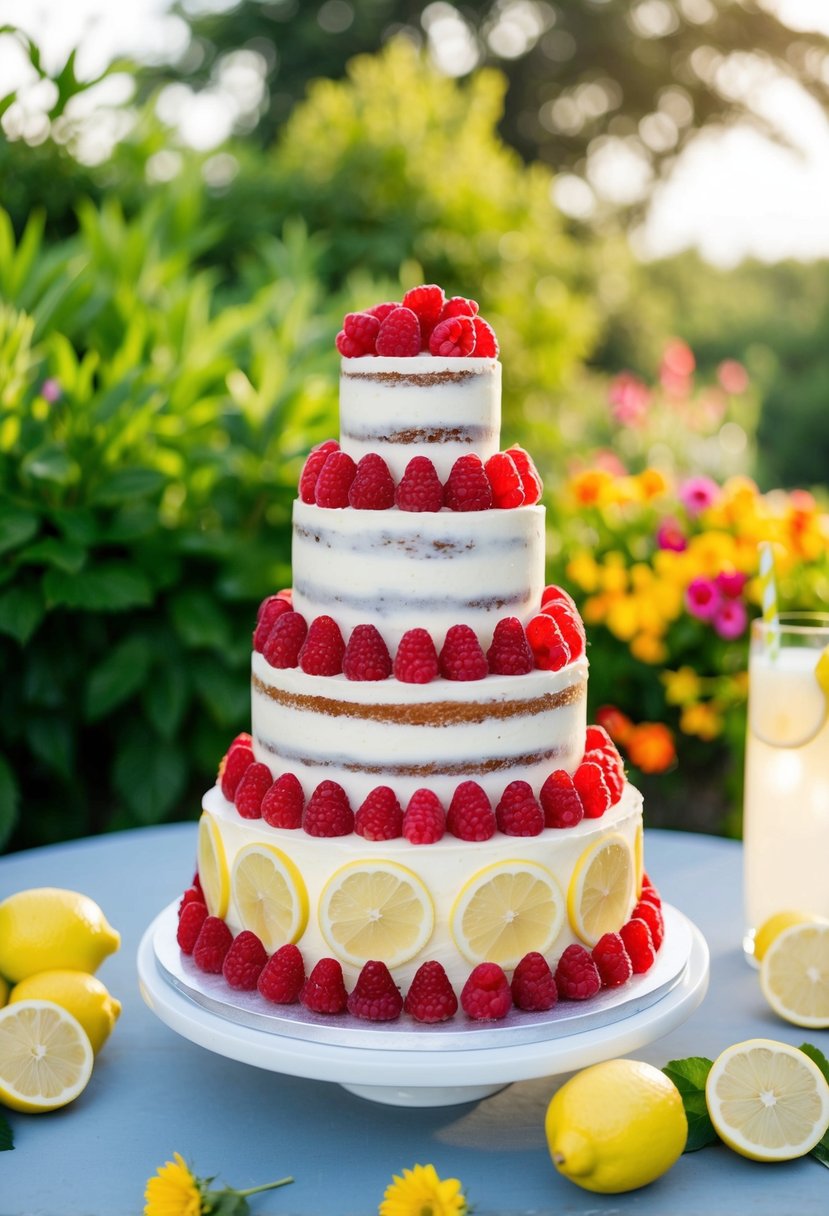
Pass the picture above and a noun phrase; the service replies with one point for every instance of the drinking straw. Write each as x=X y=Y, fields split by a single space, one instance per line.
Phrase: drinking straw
x=768 y=588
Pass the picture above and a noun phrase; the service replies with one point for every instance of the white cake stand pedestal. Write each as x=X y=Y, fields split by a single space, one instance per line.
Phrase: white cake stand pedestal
x=412 y=1068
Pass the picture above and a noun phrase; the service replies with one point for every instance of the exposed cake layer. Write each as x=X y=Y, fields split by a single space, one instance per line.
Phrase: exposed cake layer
x=399 y=569
x=365 y=734
x=422 y=406
x=444 y=873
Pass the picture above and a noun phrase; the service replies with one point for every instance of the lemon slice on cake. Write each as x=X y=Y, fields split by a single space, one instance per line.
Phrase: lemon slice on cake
x=376 y=910
x=45 y=1056
x=212 y=867
x=270 y=895
x=507 y=910
x=601 y=890
x=794 y=974
x=767 y=1100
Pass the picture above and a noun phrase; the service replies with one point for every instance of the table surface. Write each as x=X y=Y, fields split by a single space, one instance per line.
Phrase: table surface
x=154 y=1093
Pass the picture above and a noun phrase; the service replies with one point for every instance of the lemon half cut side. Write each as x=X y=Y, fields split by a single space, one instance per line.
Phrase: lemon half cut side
x=794 y=974
x=45 y=1056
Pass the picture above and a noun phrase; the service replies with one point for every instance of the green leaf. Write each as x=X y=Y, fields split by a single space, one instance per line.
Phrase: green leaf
x=9 y=801
x=821 y=1150
x=111 y=587
x=77 y=525
x=16 y=527
x=150 y=774
x=165 y=698
x=52 y=741
x=21 y=611
x=689 y=1076
x=223 y=692
x=199 y=621
x=127 y=484
x=121 y=674
x=6 y=1138
x=63 y=555
x=50 y=462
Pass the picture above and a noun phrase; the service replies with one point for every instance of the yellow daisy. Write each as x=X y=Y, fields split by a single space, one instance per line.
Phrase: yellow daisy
x=421 y=1193
x=173 y=1191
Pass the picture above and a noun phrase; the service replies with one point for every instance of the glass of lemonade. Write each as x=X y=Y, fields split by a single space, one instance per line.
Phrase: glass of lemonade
x=786 y=806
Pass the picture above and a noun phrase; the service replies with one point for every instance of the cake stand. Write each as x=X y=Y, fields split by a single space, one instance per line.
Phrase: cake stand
x=442 y=1065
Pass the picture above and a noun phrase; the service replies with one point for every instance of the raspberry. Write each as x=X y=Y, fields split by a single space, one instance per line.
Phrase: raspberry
x=420 y=488
x=636 y=935
x=577 y=976
x=362 y=329
x=461 y=657
x=328 y=812
x=613 y=770
x=518 y=813
x=505 y=480
x=486 y=994
x=323 y=649
x=283 y=804
x=459 y=306
x=349 y=348
x=375 y=997
x=426 y=303
x=486 y=344
x=366 y=655
x=649 y=889
x=467 y=487
x=381 y=311
x=372 y=488
x=399 y=336
x=312 y=468
x=510 y=654
x=252 y=789
x=653 y=918
x=192 y=895
x=612 y=960
x=212 y=945
x=416 y=661
x=431 y=998
x=193 y=916
x=334 y=481
x=470 y=815
x=324 y=990
x=285 y=640
x=424 y=821
x=560 y=802
x=552 y=593
x=197 y=883
x=550 y=651
x=570 y=624
x=453 y=338
x=269 y=612
x=244 y=961
x=533 y=986
x=592 y=788
x=236 y=763
x=380 y=817
x=532 y=483
x=281 y=979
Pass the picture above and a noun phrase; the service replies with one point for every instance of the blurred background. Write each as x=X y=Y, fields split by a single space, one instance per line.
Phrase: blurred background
x=193 y=193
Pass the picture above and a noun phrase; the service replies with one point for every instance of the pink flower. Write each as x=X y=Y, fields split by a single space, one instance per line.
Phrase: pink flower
x=669 y=535
x=731 y=583
x=703 y=598
x=677 y=368
x=730 y=619
x=733 y=377
x=699 y=493
x=50 y=390
x=629 y=397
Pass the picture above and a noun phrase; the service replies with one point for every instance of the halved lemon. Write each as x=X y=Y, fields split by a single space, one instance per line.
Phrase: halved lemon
x=270 y=895
x=506 y=910
x=601 y=890
x=212 y=867
x=794 y=974
x=767 y=1100
x=45 y=1056
x=376 y=910
x=773 y=926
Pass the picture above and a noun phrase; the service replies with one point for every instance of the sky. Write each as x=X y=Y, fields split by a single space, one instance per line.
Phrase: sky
x=733 y=194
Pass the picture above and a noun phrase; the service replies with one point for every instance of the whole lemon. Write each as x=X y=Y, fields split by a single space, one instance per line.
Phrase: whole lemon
x=774 y=926
x=48 y=928
x=616 y=1126
x=81 y=994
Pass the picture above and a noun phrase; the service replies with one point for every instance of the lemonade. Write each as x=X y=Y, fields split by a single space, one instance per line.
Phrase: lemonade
x=786 y=809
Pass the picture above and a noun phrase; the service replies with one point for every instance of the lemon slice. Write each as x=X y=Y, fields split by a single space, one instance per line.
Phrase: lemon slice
x=45 y=1056
x=601 y=889
x=270 y=895
x=506 y=910
x=376 y=910
x=789 y=697
x=774 y=926
x=794 y=975
x=767 y=1100
x=212 y=867
x=639 y=859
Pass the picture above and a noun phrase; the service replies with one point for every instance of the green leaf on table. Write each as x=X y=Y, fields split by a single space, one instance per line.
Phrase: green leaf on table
x=9 y=802
x=821 y=1150
x=21 y=611
x=6 y=1138
x=689 y=1076
x=110 y=587
x=114 y=680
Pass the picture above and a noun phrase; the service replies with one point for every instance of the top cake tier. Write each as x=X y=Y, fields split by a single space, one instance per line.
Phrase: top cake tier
x=420 y=406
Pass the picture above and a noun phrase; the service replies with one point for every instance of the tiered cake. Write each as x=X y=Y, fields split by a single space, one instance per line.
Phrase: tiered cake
x=420 y=785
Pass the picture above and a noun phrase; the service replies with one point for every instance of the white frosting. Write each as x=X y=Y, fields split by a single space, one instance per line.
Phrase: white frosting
x=328 y=727
x=424 y=406
x=401 y=569
x=443 y=868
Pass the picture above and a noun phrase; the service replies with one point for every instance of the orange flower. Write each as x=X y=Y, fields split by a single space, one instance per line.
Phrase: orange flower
x=591 y=487
x=617 y=724
x=650 y=746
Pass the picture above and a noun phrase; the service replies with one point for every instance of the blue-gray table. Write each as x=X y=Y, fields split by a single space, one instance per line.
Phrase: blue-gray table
x=153 y=1092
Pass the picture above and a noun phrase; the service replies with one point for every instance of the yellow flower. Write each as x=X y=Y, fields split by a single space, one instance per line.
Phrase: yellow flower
x=702 y=720
x=652 y=483
x=584 y=571
x=613 y=574
x=173 y=1191
x=648 y=649
x=421 y=1193
x=623 y=618
x=592 y=487
x=681 y=687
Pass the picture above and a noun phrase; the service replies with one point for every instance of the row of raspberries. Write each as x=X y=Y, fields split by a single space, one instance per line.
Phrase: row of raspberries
x=331 y=478
x=563 y=800
x=487 y=995
x=423 y=321
x=552 y=639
